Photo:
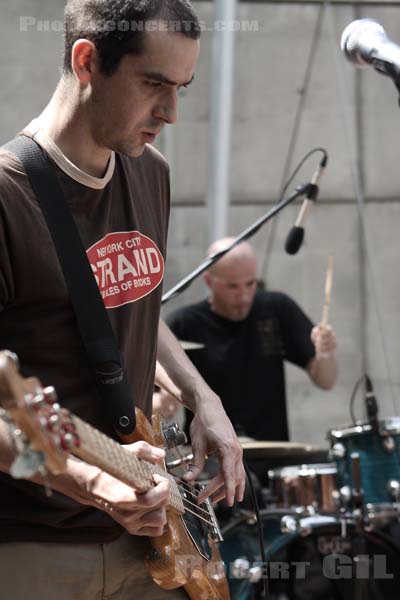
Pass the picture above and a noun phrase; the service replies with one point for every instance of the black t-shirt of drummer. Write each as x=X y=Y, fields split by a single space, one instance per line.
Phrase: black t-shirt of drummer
x=243 y=361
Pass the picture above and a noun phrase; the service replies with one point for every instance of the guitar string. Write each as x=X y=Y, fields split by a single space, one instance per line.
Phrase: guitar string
x=185 y=500
x=140 y=463
x=198 y=506
x=188 y=489
x=151 y=469
x=210 y=523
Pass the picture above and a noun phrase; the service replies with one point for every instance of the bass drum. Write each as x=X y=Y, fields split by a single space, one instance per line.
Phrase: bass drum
x=317 y=563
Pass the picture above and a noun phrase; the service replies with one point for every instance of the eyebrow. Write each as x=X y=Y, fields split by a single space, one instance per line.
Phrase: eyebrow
x=162 y=79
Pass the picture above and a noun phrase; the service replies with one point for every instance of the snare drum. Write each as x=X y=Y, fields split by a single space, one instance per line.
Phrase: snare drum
x=379 y=456
x=305 y=487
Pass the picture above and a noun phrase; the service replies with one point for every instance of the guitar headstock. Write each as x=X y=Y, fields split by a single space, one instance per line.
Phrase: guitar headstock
x=35 y=412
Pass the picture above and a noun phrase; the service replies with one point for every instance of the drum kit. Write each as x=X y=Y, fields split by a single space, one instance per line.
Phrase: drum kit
x=330 y=518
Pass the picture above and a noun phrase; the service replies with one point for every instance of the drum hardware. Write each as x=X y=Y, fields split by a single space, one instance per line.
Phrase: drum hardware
x=270 y=450
x=345 y=496
x=241 y=569
x=371 y=461
x=303 y=526
x=388 y=442
x=337 y=451
x=310 y=488
x=336 y=499
x=356 y=493
x=244 y=516
x=394 y=489
x=290 y=524
x=379 y=515
x=343 y=527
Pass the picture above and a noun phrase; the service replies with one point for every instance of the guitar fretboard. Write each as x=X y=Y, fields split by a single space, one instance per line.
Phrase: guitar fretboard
x=98 y=449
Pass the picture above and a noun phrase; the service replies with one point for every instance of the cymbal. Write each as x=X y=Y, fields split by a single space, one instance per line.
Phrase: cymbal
x=186 y=345
x=267 y=449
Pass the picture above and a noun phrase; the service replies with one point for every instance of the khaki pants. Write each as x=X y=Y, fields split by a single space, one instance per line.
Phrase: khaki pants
x=112 y=571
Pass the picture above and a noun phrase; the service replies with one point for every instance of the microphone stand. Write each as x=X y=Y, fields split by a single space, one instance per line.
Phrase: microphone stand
x=246 y=234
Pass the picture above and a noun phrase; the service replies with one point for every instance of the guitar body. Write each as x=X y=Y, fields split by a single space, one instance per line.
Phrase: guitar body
x=187 y=553
x=174 y=560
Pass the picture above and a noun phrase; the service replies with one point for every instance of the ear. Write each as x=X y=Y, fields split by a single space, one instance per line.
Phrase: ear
x=83 y=57
x=207 y=279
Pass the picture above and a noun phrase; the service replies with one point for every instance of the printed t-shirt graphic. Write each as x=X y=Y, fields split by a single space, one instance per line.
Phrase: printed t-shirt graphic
x=127 y=266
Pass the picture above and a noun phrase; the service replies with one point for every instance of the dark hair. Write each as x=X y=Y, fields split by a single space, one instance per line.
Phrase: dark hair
x=118 y=27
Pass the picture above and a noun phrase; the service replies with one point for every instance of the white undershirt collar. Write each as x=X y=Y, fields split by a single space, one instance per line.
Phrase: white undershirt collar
x=97 y=183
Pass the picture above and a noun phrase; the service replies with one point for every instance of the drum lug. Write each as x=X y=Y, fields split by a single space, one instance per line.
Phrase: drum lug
x=290 y=524
x=255 y=574
x=388 y=442
x=241 y=569
x=393 y=487
x=338 y=450
x=337 y=499
x=345 y=495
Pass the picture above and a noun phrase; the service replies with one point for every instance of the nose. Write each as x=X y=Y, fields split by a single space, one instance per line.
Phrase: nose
x=167 y=108
x=243 y=295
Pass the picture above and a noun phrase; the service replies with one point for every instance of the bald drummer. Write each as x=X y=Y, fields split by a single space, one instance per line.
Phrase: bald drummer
x=248 y=334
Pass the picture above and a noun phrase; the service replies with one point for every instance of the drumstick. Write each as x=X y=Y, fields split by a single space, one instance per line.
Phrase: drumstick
x=328 y=292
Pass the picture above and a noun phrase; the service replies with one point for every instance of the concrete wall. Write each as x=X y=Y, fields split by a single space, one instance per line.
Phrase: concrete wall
x=353 y=115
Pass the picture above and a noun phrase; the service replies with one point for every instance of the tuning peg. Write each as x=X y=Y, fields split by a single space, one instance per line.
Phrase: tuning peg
x=12 y=356
x=68 y=441
x=27 y=463
x=50 y=394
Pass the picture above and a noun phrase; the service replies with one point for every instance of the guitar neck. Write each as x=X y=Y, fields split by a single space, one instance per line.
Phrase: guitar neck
x=98 y=449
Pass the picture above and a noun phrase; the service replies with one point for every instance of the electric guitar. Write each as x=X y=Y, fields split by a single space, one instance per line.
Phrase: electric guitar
x=187 y=553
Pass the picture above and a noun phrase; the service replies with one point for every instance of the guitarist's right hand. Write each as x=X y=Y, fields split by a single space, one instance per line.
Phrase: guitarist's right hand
x=139 y=514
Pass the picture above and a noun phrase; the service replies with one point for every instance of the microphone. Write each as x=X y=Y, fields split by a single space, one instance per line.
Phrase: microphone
x=296 y=234
x=364 y=42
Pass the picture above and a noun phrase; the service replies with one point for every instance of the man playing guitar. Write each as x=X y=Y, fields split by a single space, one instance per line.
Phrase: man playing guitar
x=122 y=72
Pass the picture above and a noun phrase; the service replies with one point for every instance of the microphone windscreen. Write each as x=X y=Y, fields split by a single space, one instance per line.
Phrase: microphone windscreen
x=294 y=239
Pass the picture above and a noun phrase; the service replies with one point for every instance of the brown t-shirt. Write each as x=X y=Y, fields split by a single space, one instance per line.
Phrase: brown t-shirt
x=122 y=220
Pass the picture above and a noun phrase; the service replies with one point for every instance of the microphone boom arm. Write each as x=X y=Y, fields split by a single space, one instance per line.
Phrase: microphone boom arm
x=246 y=234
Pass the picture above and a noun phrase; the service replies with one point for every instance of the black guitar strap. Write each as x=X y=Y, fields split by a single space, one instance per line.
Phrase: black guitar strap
x=91 y=315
